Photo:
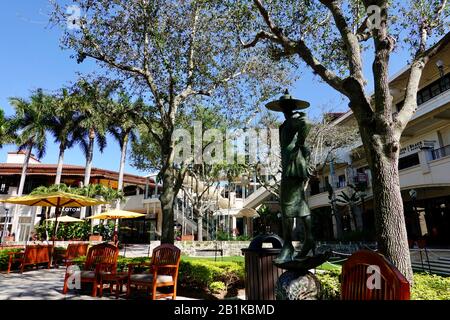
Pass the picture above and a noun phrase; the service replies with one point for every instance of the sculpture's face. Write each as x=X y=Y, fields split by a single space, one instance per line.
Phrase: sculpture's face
x=287 y=113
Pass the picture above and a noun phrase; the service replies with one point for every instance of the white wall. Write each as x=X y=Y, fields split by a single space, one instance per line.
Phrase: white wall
x=19 y=158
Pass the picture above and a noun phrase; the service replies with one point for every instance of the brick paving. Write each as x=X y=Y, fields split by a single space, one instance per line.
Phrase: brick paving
x=44 y=284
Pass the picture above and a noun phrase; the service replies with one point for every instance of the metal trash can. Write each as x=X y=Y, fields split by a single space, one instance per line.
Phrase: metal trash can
x=261 y=274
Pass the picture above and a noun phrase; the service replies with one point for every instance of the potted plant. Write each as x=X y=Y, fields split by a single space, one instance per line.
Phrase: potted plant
x=95 y=237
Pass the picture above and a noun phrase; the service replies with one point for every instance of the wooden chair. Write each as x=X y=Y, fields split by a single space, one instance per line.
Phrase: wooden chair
x=355 y=273
x=100 y=258
x=32 y=255
x=163 y=272
x=74 y=250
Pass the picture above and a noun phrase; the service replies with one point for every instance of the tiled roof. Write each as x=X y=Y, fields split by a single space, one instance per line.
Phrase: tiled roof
x=68 y=170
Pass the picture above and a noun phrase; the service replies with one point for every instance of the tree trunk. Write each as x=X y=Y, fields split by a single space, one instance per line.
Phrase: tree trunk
x=123 y=158
x=167 y=199
x=388 y=205
x=199 y=216
x=24 y=169
x=87 y=169
x=123 y=154
x=60 y=164
x=89 y=156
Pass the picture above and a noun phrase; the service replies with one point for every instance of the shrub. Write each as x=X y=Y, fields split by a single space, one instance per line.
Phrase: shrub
x=330 y=284
x=430 y=287
x=202 y=273
x=4 y=258
x=66 y=231
x=217 y=286
x=106 y=231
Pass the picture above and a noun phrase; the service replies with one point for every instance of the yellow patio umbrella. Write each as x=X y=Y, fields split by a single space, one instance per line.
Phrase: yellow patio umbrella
x=116 y=214
x=58 y=199
x=66 y=219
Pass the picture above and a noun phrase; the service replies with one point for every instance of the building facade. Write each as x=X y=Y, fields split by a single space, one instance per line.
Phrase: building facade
x=20 y=220
x=424 y=167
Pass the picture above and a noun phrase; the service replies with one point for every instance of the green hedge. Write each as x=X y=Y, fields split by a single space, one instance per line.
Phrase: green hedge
x=430 y=287
x=4 y=258
x=204 y=274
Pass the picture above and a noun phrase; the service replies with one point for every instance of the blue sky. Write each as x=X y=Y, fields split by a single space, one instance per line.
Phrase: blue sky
x=31 y=58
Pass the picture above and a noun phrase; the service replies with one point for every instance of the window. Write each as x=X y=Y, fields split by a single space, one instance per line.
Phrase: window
x=408 y=161
x=341 y=181
x=435 y=89
x=432 y=90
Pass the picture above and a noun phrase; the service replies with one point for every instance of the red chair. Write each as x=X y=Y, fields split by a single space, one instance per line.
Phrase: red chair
x=163 y=272
x=355 y=273
x=100 y=258
x=74 y=250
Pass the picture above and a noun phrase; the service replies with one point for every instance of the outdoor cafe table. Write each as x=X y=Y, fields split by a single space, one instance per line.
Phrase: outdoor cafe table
x=116 y=278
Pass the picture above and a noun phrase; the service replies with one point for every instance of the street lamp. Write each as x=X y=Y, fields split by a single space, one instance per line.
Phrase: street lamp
x=440 y=66
x=421 y=243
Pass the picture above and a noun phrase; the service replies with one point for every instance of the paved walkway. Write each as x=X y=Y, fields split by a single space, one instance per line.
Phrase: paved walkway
x=44 y=284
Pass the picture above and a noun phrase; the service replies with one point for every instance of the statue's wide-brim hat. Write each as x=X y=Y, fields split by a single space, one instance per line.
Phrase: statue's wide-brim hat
x=287 y=103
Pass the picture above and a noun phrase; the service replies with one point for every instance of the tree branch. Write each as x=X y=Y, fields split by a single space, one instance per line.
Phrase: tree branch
x=362 y=33
x=351 y=41
x=302 y=50
x=190 y=58
x=259 y=36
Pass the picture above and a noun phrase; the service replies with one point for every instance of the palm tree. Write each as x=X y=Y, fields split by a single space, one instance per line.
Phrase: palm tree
x=64 y=125
x=6 y=134
x=92 y=101
x=32 y=122
x=349 y=200
x=123 y=122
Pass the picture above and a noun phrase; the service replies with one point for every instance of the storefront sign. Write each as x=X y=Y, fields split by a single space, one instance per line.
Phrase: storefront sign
x=415 y=147
x=71 y=210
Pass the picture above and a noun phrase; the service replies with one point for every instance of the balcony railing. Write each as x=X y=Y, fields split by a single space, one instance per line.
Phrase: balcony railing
x=441 y=152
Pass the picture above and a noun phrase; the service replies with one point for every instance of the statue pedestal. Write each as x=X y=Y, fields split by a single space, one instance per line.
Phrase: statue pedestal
x=294 y=285
x=297 y=283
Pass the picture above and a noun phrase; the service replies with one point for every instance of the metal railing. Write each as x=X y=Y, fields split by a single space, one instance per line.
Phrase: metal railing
x=441 y=152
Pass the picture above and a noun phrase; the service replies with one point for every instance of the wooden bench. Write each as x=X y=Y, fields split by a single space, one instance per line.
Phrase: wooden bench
x=32 y=255
x=356 y=285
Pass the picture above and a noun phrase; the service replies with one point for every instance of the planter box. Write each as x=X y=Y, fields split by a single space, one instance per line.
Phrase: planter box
x=187 y=238
x=95 y=238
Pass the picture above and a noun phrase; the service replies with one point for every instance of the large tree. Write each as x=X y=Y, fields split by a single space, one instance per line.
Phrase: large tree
x=174 y=52
x=330 y=37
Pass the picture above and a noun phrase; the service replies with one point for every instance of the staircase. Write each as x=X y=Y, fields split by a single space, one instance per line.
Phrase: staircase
x=191 y=224
x=437 y=265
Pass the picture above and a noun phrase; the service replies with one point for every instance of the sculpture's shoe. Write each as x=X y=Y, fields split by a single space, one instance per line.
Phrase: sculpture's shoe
x=307 y=246
x=285 y=255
